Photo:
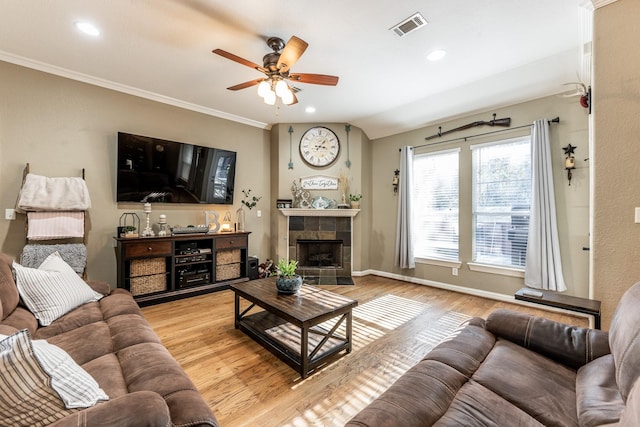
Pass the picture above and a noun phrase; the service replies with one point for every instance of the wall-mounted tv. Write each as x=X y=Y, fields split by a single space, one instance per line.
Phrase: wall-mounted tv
x=157 y=170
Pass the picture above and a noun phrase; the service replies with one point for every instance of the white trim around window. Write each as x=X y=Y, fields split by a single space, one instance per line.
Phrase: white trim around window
x=439 y=262
x=494 y=269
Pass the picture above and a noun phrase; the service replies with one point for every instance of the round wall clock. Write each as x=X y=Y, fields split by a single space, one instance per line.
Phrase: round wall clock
x=319 y=146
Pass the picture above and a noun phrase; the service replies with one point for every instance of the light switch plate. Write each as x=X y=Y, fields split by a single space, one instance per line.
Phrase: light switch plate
x=10 y=214
x=637 y=215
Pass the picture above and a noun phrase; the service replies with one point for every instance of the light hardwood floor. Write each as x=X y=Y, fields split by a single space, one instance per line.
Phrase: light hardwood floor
x=395 y=325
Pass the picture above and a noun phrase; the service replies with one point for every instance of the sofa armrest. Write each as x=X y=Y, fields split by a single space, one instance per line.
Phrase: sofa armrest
x=140 y=409
x=572 y=346
x=99 y=286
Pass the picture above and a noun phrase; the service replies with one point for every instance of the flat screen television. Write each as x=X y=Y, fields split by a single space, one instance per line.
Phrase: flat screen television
x=157 y=170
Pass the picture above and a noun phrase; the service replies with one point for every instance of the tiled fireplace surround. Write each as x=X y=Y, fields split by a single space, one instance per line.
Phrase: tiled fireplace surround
x=328 y=228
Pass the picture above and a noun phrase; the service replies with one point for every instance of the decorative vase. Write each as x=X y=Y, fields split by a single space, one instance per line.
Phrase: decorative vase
x=240 y=213
x=289 y=285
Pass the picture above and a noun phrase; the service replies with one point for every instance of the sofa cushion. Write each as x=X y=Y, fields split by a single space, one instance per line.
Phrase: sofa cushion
x=418 y=398
x=75 y=342
x=624 y=340
x=40 y=382
x=52 y=289
x=597 y=396
x=475 y=406
x=8 y=292
x=139 y=409
x=150 y=366
x=80 y=316
x=21 y=318
x=541 y=387
x=106 y=371
x=571 y=345
x=466 y=352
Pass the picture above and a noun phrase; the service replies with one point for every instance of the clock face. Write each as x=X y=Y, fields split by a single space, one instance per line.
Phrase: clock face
x=319 y=146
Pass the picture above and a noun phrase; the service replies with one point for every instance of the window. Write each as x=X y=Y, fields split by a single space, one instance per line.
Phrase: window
x=501 y=201
x=435 y=207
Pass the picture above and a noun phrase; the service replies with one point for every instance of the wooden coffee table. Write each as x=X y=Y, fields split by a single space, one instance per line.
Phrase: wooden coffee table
x=293 y=327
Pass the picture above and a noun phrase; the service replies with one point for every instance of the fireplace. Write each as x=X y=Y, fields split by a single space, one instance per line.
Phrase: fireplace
x=319 y=253
x=321 y=243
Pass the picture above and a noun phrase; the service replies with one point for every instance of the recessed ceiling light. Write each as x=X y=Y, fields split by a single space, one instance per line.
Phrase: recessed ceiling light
x=87 y=28
x=436 y=55
x=310 y=109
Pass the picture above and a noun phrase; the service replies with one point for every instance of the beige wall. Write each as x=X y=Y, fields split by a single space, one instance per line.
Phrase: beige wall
x=60 y=126
x=616 y=152
x=572 y=201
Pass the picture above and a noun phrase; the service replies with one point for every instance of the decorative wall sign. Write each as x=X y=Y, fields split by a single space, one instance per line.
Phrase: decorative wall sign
x=319 y=182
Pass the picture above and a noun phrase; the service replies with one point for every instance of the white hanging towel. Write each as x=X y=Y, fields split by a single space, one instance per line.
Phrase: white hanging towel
x=41 y=193
x=54 y=225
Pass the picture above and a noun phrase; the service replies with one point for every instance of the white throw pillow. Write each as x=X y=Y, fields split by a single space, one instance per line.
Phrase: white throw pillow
x=53 y=289
x=40 y=383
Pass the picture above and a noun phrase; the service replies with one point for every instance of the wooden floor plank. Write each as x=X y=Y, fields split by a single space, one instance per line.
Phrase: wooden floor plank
x=395 y=325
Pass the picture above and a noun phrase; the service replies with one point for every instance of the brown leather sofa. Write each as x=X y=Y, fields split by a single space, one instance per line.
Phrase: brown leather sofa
x=113 y=342
x=519 y=370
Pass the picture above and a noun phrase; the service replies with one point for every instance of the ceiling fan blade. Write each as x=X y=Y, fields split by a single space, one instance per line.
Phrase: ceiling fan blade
x=239 y=60
x=245 y=84
x=316 y=79
x=292 y=51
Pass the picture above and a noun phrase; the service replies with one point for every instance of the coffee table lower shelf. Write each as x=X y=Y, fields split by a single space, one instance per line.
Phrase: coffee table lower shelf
x=285 y=340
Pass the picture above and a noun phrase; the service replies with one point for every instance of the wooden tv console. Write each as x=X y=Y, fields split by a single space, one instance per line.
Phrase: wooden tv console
x=159 y=269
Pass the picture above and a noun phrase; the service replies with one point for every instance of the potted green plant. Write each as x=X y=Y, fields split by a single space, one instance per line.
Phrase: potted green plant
x=354 y=199
x=287 y=282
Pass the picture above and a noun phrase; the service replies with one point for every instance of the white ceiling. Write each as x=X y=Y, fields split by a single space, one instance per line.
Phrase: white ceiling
x=500 y=52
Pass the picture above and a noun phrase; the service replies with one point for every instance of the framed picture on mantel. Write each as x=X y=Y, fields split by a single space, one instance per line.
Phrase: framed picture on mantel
x=319 y=182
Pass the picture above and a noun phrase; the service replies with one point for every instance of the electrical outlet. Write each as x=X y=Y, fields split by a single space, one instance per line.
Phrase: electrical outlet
x=637 y=216
x=454 y=271
x=259 y=213
x=10 y=214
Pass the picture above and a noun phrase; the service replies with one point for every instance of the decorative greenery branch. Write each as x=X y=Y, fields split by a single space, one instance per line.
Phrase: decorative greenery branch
x=250 y=201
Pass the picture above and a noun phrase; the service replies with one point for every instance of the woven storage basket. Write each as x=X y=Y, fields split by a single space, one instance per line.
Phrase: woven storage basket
x=148 y=284
x=227 y=271
x=228 y=257
x=147 y=266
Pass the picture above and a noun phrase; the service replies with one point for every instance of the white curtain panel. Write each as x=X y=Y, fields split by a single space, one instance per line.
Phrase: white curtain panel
x=543 y=269
x=404 y=227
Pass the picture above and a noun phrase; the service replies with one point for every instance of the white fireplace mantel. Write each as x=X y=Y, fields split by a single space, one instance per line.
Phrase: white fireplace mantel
x=319 y=212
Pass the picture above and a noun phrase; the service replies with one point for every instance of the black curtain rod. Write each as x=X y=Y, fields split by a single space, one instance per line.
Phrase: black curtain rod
x=556 y=120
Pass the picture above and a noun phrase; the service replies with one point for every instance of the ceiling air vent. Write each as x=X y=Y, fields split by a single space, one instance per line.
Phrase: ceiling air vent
x=410 y=24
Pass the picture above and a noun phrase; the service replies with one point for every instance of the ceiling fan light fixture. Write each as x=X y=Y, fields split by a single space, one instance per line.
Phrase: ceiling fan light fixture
x=287 y=97
x=270 y=98
x=281 y=88
x=263 y=88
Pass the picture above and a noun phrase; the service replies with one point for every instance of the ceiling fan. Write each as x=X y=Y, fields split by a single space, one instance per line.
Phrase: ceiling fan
x=276 y=66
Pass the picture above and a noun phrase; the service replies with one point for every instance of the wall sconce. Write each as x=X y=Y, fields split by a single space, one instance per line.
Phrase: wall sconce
x=396 y=180
x=569 y=160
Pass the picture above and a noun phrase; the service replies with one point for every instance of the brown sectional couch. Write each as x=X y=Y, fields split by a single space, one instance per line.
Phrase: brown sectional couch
x=113 y=342
x=519 y=370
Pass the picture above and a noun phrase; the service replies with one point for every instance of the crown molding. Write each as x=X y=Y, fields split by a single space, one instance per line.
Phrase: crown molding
x=601 y=3
x=107 y=84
